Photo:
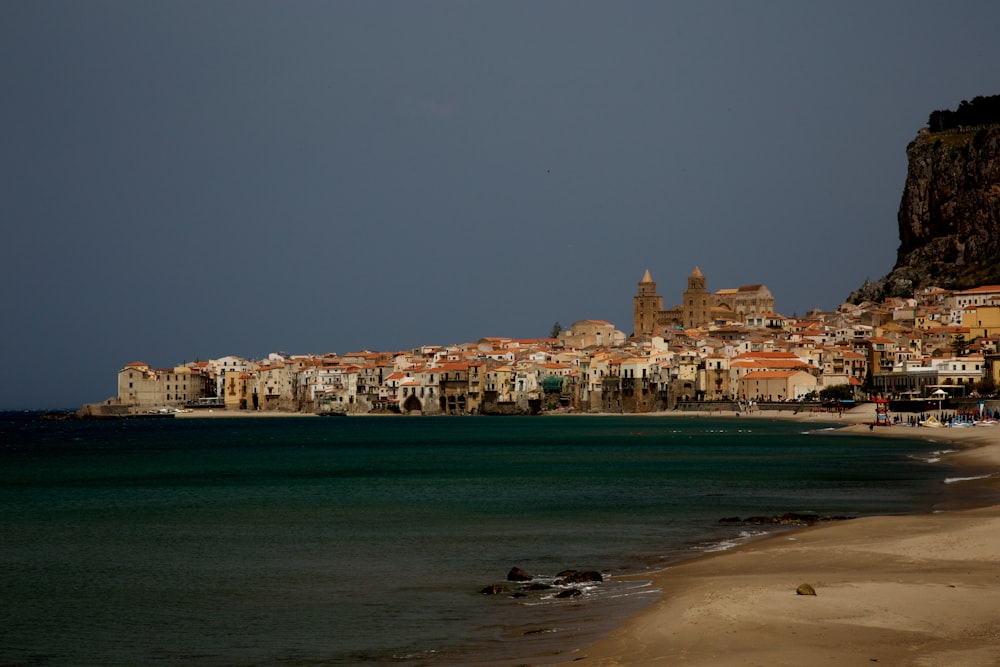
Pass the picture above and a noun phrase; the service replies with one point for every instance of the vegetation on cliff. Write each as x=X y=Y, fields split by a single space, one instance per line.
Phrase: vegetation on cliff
x=980 y=111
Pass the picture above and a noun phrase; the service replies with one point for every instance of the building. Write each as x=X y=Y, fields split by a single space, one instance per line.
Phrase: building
x=143 y=387
x=230 y=365
x=746 y=302
x=776 y=385
x=955 y=375
x=584 y=334
x=695 y=307
x=984 y=321
x=647 y=307
x=238 y=390
x=699 y=308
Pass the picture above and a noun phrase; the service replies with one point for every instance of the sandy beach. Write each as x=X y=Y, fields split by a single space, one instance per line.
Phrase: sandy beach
x=896 y=590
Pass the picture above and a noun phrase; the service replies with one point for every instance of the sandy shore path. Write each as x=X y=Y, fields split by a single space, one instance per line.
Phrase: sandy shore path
x=895 y=590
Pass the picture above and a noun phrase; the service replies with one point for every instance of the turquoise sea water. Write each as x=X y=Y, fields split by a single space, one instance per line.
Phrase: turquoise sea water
x=347 y=541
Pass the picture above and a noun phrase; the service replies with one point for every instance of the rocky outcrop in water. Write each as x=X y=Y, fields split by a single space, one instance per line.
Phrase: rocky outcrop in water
x=949 y=214
x=525 y=584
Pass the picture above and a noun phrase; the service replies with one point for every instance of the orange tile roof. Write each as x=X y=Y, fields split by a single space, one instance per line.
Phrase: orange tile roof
x=767 y=375
x=455 y=367
x=766 y=355
x=982 y=288
x=784 y=363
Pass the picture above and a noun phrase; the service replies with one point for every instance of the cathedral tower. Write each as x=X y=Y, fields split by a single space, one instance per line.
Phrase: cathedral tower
x=647 y=307
x=696 y=301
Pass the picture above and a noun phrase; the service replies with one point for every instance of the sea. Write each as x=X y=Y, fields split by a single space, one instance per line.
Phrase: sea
x=368 y=540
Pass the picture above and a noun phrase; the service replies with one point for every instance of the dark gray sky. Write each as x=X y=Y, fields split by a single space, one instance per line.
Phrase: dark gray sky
x=191 y=179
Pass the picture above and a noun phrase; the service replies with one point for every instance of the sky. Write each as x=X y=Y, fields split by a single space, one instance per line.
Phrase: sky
x=186 y=180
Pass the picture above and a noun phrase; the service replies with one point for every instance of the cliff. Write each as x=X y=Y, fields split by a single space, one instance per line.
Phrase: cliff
x=949 y=215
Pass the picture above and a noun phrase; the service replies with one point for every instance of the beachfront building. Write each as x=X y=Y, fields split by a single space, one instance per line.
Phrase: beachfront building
x=224 y=366
x=768 y=385
x=454 y=385
x=334 y=385
x=588 y=383
x=633 y=385
x=274 y=388
x=715 y=379
x=425 y=392
x=916 y=379
x=144 y=388
x=238 y=391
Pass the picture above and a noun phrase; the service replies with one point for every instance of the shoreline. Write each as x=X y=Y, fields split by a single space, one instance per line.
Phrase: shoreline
x=897 y=589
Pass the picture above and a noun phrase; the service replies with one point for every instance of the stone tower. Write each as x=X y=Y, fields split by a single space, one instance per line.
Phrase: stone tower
x=696 y=302
x=647 y=307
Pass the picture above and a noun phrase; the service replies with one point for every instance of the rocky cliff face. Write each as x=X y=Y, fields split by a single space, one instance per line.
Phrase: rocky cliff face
x=949 y=216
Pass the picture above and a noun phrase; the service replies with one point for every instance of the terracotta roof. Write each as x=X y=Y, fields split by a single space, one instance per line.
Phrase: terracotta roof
x=766 y=375
x=455 y=367
x=980 y=289
x=766 y=355
x=784 y=363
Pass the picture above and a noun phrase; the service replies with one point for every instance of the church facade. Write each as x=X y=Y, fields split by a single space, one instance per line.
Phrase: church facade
x=699 y=307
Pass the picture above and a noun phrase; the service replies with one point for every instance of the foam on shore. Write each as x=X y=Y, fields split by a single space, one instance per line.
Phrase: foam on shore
x=890 y=589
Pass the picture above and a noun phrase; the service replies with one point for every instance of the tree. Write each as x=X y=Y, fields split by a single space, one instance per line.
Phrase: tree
x=959 y=346
x=837 y=392
x=556 y=330
x=986 y=386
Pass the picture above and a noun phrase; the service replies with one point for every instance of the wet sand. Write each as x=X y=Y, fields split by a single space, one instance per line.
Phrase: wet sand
x=897 y=590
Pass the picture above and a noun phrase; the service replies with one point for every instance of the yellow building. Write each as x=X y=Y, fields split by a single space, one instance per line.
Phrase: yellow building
x=984 y=322
x=770 y=385
x=238 y=391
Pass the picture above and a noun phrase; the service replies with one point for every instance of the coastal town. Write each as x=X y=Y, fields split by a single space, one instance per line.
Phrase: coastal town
x=726 y=347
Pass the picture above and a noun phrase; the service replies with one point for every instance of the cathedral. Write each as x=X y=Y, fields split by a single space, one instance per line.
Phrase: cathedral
x=699 y=308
